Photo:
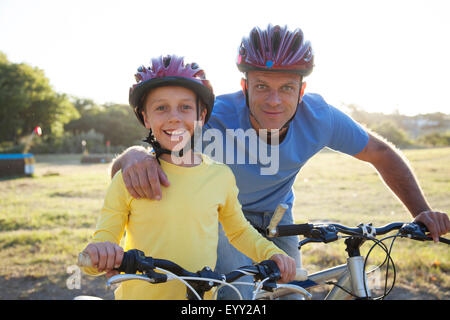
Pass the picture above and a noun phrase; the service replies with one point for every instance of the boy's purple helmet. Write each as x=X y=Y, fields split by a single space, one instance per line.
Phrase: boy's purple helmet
x=276 y=49
x=170 y=70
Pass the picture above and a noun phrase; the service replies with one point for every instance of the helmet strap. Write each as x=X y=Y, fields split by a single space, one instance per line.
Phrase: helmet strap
x=244 y=85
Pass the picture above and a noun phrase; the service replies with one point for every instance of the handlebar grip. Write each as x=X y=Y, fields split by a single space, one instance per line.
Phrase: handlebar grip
x=443 y=240
x=294 y=229
x=301 y=274
x=278 y=214
x=84 y=260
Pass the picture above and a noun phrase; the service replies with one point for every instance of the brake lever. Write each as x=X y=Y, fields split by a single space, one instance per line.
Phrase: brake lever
x=268 y=271
x=307 y=240
x=424 y=229
x=125 y=277
x=417 y=231
x=414 y=230
x=325 y=234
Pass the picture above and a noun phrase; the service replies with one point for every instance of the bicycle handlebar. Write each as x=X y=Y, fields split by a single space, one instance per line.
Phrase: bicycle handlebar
x=135 y=261
x=329 y=232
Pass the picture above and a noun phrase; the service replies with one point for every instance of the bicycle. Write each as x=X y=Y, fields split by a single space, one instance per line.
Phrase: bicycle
x=156 y=271
x=351 y=276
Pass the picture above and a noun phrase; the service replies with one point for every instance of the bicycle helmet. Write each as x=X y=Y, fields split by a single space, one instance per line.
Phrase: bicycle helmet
x=276 y=49
x=170 y=70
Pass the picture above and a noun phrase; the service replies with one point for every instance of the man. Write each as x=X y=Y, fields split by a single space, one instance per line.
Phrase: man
x=294 y=126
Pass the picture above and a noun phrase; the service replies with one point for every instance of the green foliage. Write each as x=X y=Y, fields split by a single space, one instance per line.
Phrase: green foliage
x=436 y=139
x=116 y=122
x=71 y=143
x=28 y=100
x=11 y=147
x=406 y=131
x=393 y=133
x=3 y=58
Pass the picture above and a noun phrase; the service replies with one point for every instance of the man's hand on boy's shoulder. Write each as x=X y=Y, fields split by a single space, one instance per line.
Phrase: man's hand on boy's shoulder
x=142 y=174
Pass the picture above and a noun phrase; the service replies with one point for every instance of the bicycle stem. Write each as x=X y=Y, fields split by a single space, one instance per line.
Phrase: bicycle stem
x=352 y=246
x=356 y=269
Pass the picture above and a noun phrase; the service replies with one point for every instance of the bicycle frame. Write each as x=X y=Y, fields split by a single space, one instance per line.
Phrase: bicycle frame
x=349 y=276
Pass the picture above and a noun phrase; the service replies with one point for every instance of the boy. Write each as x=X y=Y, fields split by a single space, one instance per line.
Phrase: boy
x=171 y=99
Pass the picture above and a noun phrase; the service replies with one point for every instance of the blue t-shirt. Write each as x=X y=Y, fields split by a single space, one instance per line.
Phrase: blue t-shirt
x=316 y=125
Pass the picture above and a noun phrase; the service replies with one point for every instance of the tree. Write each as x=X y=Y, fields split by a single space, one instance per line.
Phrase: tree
x=436 y=139
x=27 y=100
x=393 y=133
x=116 y=122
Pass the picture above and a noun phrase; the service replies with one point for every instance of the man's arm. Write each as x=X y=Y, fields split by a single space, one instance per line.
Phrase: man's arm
x=399 y=177
x=141 y=173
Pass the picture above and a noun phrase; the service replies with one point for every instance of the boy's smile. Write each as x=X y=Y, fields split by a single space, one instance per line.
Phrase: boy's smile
x=175 y=133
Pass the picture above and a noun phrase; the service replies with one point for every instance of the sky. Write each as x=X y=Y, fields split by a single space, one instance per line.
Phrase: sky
x=380 y=55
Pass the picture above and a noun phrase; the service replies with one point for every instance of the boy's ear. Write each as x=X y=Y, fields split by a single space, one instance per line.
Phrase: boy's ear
x=203 y=115
x=144 y=117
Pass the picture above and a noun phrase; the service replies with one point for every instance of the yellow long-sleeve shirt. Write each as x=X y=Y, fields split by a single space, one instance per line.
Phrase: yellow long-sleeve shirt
x=182 y=227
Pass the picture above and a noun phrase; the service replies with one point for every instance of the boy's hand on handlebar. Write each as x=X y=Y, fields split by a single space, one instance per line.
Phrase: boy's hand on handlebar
x=286 y=265
x=437 y=223
x=105 y=256
x=143 y=175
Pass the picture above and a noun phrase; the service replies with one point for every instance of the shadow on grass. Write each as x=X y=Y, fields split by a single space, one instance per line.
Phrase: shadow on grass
x=44 y=288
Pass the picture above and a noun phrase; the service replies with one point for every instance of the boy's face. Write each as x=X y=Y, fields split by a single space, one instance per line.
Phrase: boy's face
x=171 y=114
x=273 y=97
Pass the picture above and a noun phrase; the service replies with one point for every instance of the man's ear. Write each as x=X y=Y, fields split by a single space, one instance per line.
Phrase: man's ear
x=244 y=85
x=302 y=91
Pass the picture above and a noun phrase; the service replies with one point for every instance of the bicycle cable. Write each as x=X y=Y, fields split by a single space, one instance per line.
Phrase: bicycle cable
x=244 y=272
x=258 y=287
x=342 y=288
x=393 y=267
x=387 y=259
x=183 y=278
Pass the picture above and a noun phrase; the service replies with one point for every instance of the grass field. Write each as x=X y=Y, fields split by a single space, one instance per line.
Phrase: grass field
x=47 y=219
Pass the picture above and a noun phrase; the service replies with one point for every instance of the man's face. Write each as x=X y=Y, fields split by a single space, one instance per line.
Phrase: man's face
x=273 y=98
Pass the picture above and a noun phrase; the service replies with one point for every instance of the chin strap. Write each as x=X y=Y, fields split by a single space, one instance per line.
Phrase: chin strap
x=157 y=147
x=160 y=150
